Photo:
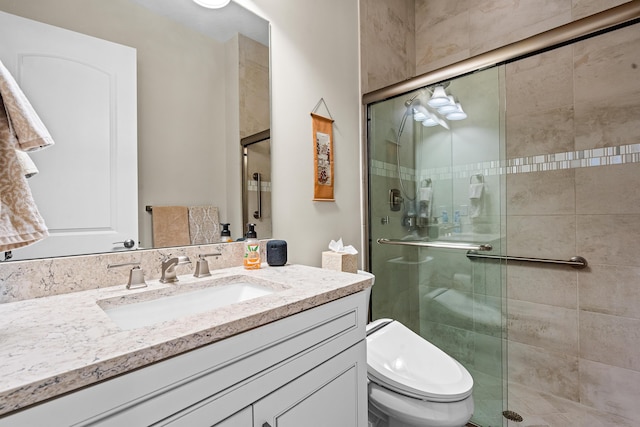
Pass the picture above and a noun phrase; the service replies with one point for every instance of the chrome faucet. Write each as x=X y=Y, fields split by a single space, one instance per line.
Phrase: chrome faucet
x=168 y=268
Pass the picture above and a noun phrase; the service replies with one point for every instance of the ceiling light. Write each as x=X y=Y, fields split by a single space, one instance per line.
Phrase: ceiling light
x=212 y=4
x=439 y=97
x=458 y=114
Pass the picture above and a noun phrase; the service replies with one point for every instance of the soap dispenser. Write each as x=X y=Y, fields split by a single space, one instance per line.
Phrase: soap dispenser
x=252 y=249
x=225 y=234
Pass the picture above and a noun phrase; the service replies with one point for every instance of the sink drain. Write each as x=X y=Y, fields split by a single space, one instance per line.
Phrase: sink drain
x=512 y=416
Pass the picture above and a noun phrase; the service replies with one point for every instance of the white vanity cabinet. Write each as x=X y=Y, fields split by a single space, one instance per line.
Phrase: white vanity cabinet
x=306 y=369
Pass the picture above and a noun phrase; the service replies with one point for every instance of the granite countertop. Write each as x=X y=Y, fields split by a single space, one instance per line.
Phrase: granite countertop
x=56 y=344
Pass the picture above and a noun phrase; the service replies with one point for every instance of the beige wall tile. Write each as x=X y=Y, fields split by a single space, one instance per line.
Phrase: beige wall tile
x=544 y=326
x=541 y=193
x=387 y=42
x=608 y=189
x=527 y=92
x=607 y=114
x=443 y=42
x=543 y=236
x=599 y=58
x=608 y=239
x=543 y=370
x=607 y=123
x=583 y=8
x=610 y=389
x=540 y=132
x=610 y=289
x=495 y=23
x=608 y=339
x=551 y=285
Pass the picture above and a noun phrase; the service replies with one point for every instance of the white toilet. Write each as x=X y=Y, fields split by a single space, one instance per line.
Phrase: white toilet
x=413 y=383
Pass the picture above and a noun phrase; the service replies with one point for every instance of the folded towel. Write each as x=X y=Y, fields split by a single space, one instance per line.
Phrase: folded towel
x=28 y=167
x=425 y=194
x=170 y=226
x=20 y=221
x=27 y=128
x=204 y=225
x=476 y=190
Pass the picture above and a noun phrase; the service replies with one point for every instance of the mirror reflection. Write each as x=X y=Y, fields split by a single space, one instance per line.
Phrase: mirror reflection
x=151 y=117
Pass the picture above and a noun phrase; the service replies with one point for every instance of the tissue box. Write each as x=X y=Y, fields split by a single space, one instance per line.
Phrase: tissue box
x=340 y=261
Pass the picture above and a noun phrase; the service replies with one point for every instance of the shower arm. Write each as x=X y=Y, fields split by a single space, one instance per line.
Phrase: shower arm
x=439 y=245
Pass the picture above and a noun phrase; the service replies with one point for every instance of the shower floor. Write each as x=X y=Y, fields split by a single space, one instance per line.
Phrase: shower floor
x=544 y=410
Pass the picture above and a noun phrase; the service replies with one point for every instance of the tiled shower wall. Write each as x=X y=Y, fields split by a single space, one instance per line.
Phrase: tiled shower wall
x=575 y=334
x=572 y=334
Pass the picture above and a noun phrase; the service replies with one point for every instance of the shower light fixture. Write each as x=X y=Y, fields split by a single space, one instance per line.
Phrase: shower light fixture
x=439 y=97
x=420 y=113
x=430 y=121
x=448 y=108
x=458 y=114
x=212 y=4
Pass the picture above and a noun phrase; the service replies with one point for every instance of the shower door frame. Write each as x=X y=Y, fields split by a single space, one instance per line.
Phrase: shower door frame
x=616 y=17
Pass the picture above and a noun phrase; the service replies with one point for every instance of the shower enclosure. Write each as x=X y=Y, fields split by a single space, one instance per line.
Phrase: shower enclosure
x=434 y=195
x=479 y=224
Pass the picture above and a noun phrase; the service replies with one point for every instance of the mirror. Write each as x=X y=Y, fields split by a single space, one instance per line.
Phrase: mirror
x=202 y=80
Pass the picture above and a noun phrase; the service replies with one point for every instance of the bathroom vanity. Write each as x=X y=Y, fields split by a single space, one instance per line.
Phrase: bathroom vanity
x=295 y=356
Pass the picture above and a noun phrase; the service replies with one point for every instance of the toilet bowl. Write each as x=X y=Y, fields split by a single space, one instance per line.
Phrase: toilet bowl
x=411 y=382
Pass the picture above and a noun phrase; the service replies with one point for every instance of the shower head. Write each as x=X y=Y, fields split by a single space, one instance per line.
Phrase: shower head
x=414 y=100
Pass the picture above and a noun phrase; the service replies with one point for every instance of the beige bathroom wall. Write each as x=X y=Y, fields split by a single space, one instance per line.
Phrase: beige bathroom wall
x=314 y=55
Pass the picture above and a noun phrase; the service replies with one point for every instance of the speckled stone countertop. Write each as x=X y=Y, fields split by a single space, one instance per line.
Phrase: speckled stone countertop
x=56 y=344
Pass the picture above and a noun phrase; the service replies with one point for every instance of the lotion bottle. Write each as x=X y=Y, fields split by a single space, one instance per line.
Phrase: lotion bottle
x=252 y=249
x=225 y=234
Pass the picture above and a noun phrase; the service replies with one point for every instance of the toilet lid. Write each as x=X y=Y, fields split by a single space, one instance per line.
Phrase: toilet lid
x=402 y=361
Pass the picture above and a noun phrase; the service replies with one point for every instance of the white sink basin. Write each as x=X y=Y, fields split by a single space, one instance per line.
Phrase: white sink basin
x=129 y=312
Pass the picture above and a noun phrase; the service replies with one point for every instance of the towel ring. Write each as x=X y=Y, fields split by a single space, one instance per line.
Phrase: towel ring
x=478 y=176
x=426 y=183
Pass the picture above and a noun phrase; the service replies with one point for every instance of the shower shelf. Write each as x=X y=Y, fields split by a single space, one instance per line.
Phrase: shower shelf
x=439 y=245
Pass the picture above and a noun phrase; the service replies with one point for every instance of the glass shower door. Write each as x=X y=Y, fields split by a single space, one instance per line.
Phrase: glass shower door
x=256 y=183
x=441 y=185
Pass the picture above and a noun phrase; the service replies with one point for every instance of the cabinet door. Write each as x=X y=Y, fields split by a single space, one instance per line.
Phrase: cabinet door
x=328 y=395
x=243 y=418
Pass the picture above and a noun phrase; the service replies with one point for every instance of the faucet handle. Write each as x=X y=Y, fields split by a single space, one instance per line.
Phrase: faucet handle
x=136 y=278
x=136 y=275
x=202 y=266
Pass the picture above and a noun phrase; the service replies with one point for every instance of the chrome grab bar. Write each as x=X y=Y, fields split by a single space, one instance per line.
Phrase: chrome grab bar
x=439 y=244
x=258 y=177
x=577 y=262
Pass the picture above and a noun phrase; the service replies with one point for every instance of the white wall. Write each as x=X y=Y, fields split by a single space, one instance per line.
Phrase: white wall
x=314 y=54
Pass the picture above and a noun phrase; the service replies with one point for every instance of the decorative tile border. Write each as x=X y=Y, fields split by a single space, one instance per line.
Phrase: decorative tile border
x=606 y=156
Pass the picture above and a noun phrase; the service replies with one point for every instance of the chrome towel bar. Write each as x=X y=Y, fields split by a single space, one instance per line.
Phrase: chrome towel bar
x=440 y=244
x=577 y=262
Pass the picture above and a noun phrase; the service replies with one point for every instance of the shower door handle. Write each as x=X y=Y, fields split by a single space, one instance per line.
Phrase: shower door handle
x=440 y=245
x=258 y=177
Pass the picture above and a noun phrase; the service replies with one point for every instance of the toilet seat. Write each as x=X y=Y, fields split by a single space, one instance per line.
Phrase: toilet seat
x=400 y=360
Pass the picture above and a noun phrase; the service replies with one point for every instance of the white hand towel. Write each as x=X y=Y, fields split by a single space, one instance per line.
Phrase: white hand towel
x=476 y=190
x=425 y=194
